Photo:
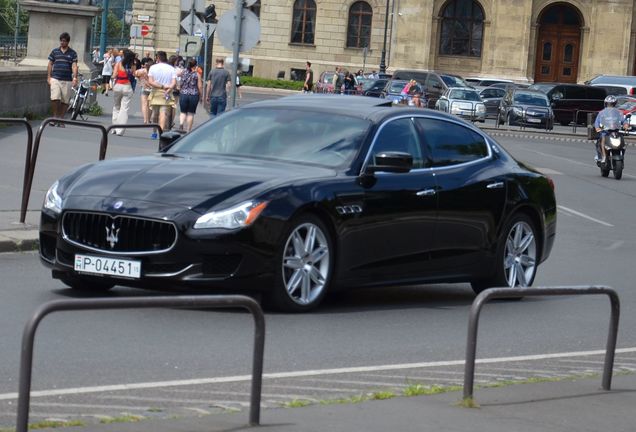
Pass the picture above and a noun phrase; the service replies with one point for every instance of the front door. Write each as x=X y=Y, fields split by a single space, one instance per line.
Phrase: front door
x=557 y=56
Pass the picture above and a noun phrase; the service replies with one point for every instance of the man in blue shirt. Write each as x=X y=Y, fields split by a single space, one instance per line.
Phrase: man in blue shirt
x=610 y=118
x=62 y=75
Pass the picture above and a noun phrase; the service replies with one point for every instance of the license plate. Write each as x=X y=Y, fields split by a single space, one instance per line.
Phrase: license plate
x=108 y=266
x=534 y=120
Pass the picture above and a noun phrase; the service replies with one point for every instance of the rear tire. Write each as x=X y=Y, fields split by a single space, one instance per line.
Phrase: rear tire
x=618 y=169
x=604 y=171
x=305 y=266
x=517 y=256
x=509 y=121
x=79 y=283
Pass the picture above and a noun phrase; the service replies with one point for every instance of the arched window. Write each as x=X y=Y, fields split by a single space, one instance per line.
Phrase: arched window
x=462 y=28
x=304 y=22
x=359 y=29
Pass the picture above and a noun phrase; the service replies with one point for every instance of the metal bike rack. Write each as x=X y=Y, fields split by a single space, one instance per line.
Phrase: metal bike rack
x=36 y=148
x=209 y=301
x=27 y=162
x=492 y=293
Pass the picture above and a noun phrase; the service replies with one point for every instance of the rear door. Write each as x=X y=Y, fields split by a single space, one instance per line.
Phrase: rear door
x=471 y=194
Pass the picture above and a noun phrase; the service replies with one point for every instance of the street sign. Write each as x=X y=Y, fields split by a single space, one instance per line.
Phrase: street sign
x=189 y=46
x=135 y=31
x=199 y=5
x=145 y=30
x=250 y=30
x=187 y=22
x=143 y=18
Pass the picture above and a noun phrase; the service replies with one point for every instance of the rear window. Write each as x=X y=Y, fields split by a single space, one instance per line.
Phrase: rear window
x=623 y=80
x=531 y=99
x=409 y=75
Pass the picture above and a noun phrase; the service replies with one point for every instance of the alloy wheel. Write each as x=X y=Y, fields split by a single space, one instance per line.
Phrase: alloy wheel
x=306 y=263
x=520 y=256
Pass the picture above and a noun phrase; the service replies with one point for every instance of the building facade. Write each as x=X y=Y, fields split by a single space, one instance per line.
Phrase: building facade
x=524 y=40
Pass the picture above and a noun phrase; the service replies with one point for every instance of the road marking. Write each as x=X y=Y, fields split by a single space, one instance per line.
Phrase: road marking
x=305 y=373
x=584 y=216
x=615 y=245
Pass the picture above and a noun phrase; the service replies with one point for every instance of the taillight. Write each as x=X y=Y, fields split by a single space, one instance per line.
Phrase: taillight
x=632 y=91
x=551 y=183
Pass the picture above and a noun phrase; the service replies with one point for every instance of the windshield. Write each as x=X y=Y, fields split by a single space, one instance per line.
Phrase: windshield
x=530 y=99
x=276 y=133
x=469 y=95
x=397 y=86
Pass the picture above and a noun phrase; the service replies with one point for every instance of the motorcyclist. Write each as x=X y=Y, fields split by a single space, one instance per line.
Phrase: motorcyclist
x=609 y=118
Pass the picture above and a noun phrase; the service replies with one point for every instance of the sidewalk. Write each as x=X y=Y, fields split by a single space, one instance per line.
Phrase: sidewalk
x=576 y=406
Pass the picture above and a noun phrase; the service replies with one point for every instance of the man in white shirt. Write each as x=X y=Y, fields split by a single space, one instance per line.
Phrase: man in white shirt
x=162 y=77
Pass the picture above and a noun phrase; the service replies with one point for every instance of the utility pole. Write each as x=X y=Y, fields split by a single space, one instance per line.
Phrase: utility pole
x=236 y=49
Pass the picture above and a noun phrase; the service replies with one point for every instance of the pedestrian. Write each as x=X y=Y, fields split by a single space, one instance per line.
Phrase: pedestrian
x=239 y=84
x=308 y=86
x=337 y=81
x=217 y=86
x=107 y=72
x=95 y=55
x=163 y=80
x=142 y=78
x=61 y=76
x=175 y=63
x=349 y=83
x=124 y=76
x=191 y=95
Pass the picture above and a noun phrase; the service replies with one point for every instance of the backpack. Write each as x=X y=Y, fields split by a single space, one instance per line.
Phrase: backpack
x=131 y=78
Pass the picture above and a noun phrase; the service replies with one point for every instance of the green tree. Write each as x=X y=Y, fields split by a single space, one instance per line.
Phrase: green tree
x=7 y=18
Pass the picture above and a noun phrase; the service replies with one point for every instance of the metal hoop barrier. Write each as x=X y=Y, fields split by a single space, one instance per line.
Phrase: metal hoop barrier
x=210 y=301
x=492 y=293
x=36 y=148
x=27 y=161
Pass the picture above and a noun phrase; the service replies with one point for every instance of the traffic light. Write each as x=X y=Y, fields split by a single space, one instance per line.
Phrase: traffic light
x=210 y=14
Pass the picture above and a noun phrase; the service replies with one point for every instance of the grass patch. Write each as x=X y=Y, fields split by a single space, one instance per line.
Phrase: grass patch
x=382 y=395
x=49 y=424
x=424 y=390
x=154 y=410
x=128 y=418
x=297 y=403
x=271 y=83
x=94 y=109
x=468 y=403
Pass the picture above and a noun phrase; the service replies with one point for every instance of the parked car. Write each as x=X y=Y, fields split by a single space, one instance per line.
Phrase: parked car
x=463 y=102
x=393 y=91
x=482 y=83
x=300 y=196
x=492 y=97
x=374 y=87
x=628 y=82
x=525 y=107
x=628 y=108
x=572 y=102
x=434 y=83
x=324 y=84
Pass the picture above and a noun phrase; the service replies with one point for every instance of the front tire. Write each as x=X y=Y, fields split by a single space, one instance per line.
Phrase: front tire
x=516 y=259
x=76 y=110
x=305 y=266
x=618 y=169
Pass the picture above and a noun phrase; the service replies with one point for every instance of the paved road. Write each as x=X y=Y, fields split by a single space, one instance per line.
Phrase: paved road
x=364 y=341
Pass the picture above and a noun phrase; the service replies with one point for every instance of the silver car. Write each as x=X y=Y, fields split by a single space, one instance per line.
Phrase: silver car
x=463 y=102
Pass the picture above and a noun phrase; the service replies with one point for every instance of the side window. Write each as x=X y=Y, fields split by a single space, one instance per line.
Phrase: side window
x=399 y=136
x=432 y=82
x=450 y=143
x=574 y=92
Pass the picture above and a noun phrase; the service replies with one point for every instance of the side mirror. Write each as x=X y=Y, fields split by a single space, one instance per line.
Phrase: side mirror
x=168 y=138
x=392 y=162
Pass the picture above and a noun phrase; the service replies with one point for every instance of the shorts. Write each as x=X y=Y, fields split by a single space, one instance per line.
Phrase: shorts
x=106 y=79
x=146 y=92
x=188 y=103
x=61 y=90
x=158 y=98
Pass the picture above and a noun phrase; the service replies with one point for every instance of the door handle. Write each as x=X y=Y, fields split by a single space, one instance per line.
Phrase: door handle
x=495 y=185
x=426 y=192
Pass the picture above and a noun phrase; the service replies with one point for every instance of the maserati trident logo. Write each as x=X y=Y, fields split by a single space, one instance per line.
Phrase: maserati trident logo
x=112 y=235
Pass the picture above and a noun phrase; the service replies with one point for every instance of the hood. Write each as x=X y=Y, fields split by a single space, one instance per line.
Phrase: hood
x=197 y=184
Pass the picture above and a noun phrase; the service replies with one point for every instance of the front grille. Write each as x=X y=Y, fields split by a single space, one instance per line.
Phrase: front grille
x=118 y=234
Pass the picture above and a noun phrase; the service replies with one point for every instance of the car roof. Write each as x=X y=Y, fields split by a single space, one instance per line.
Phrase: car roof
x=614 y=79
x=363 y=107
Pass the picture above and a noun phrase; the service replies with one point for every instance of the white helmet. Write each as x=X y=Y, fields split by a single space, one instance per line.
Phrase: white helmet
x=610 y=100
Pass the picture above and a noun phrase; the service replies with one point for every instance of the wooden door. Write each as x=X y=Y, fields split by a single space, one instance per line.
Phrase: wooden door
x=557 y=58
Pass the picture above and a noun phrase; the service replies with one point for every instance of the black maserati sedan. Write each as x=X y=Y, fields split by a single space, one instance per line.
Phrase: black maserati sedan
x=302 y=196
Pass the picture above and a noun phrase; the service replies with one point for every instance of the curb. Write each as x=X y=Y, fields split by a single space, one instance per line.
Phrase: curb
x=15 y=245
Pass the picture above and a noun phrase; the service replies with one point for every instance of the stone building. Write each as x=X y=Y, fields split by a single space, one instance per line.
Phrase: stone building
x=525 y=40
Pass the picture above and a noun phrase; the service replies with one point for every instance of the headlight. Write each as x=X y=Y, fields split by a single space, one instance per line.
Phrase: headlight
x=481 y=108
x=238 y=216
x=52 y=199
x=517 y=111
x=615 y=141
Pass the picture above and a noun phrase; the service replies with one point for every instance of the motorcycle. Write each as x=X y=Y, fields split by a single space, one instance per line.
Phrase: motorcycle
x=84 y=89
x=614 y=144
